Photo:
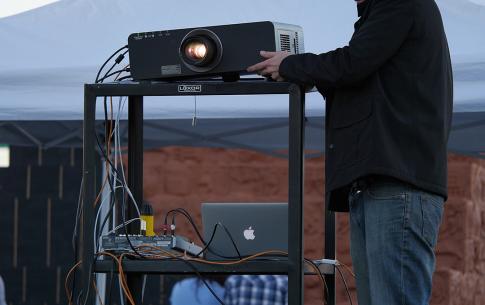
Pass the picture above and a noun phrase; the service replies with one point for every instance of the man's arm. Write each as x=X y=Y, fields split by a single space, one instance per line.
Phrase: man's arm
x=379 y=38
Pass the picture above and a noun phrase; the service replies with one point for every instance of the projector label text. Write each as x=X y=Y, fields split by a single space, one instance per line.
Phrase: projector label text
x=190 y=88
x=171 y=70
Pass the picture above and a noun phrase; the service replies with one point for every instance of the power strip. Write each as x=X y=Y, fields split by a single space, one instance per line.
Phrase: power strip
x=119 y=243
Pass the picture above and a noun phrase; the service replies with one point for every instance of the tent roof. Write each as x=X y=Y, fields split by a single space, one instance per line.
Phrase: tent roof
x=49 y=52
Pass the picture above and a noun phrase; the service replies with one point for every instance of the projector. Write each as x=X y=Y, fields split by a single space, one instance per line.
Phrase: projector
x=214 y=51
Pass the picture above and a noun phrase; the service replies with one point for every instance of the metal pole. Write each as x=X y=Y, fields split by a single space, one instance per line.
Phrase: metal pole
x=295 y=194
x=135 y=155
x=135 y=179
x=89 y=175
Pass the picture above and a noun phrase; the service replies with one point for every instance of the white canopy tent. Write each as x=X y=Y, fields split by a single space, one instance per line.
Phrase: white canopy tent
x=48 y=53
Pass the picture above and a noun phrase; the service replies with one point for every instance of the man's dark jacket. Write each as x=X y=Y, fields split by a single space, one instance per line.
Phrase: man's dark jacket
x=389 y=98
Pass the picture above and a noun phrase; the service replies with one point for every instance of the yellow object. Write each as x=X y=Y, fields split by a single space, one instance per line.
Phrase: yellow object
x=149 y=224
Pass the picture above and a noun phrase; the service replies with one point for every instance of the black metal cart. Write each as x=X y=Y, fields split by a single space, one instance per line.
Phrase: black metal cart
x=293 y=265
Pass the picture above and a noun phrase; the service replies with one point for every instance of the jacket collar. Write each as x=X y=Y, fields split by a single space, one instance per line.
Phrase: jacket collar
x=363 y=11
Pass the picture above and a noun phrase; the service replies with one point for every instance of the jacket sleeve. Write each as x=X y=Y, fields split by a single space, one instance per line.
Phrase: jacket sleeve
x=377 y=40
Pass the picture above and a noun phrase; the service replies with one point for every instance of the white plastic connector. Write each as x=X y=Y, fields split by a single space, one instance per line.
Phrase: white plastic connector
x=326 y=261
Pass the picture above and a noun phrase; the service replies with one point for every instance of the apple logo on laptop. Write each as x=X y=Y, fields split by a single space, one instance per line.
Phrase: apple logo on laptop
x=249 y=233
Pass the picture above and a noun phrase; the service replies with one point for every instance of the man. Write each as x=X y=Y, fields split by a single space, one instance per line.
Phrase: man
x=192 y=291
x=256 y=290
x=388 y=113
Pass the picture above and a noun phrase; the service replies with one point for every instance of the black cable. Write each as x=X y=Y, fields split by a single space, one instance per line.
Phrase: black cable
x=190 y=219
x=111 y=184
x=118 y=60
x=321 y=277
x=89 y=281
x=78 y=215
x=108 y=215
x=206 y=246
x=123 y=219
x=345 y=284
x=194 y=268
x=230 y=237
x=201 y=278
x=108 y=301
x=105 y=75
x=203 y=281
x=123 y=199
x=113 y=73
x=109 y=58
x=172 y=227
x=112 y=199
x=124 y=77
x=110 y=289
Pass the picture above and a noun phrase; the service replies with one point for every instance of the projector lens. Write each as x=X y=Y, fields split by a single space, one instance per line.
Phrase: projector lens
x=201 y=50
x=196 y=51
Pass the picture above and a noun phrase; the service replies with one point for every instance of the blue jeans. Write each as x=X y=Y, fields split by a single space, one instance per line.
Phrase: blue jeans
x=394 y=228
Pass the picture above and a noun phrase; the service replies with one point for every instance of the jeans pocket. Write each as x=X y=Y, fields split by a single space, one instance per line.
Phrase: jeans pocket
x=432 y=212
x=386 y=192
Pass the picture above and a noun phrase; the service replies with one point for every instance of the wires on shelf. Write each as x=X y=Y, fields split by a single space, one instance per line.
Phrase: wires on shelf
x=120 y=198
x=158 y=253
x=199 y=235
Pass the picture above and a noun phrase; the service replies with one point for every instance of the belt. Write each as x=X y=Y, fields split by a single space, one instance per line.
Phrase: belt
x=364 y=182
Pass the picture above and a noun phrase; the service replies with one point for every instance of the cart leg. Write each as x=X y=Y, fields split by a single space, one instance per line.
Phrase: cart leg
x=330 y=253
x=295 y=194
x=89 y=175
x=135 y=179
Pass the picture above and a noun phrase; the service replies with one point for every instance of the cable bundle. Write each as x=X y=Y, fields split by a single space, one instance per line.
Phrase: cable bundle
x=118 y=60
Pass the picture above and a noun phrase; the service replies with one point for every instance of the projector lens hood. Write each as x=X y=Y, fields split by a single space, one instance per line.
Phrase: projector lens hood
x=201 y=50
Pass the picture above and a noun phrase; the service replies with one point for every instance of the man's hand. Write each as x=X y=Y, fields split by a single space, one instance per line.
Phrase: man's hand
x=270 y=67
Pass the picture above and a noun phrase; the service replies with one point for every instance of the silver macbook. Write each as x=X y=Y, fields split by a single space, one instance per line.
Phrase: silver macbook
x=254 y=228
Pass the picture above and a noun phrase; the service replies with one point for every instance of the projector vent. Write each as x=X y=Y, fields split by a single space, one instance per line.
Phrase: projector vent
x=297 y=47
x=285 y=42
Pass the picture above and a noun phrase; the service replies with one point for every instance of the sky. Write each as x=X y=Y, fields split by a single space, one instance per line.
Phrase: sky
x=12 y=7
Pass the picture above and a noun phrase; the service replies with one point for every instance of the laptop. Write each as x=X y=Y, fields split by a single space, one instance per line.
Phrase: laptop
x=254 y=227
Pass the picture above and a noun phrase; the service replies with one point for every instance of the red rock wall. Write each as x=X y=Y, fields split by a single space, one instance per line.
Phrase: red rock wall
x=186 y=177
